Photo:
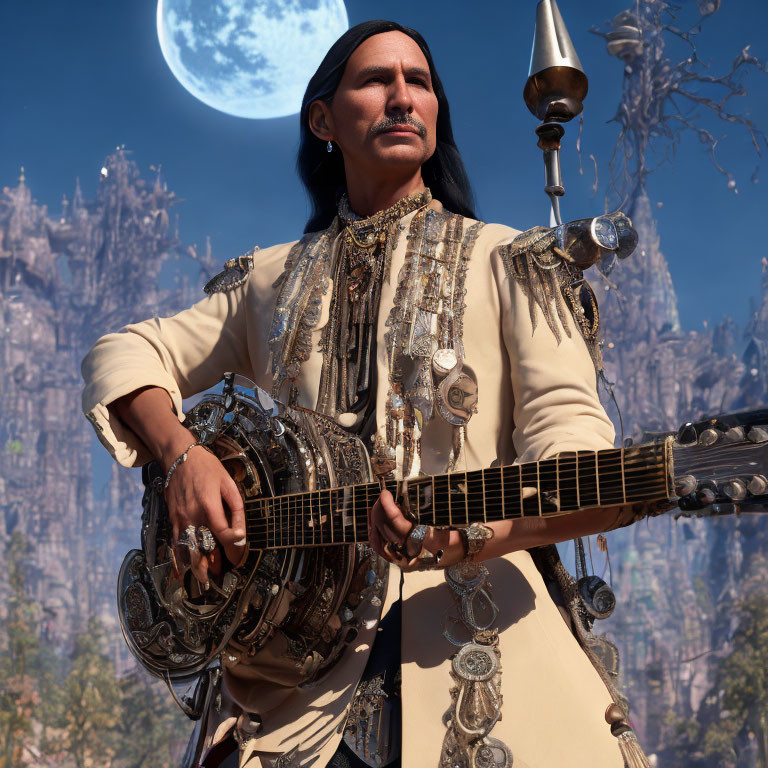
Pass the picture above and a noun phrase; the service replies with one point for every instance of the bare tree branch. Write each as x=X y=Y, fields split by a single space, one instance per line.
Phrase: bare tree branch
x=652 y=115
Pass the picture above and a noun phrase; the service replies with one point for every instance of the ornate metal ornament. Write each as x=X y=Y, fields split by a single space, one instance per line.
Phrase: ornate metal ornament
x=424 y=338
x=362 y=260
x=371 y=731
x=476 y=672
x=234 y=274
x=205 y=539
x=475 y=662
x=301 y=287
x=548 y=264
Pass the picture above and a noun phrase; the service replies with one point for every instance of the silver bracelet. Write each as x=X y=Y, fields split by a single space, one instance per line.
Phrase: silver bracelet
x=181 y=460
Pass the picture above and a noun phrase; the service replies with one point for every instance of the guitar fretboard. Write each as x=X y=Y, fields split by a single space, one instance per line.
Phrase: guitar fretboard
x=557 y=486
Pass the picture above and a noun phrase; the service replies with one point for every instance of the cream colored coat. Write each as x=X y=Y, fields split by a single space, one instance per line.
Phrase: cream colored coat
x=536 y=398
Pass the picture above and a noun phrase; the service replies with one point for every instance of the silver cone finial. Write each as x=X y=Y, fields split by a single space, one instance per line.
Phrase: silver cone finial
x=556 y=85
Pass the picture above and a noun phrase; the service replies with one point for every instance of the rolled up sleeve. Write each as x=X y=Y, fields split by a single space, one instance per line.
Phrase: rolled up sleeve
x=184 y=354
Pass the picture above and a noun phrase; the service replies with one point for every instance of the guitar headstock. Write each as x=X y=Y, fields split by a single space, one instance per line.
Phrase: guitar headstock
x=721 y=464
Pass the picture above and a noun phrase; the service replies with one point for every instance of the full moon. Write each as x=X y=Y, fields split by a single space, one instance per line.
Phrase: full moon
x=249 y=58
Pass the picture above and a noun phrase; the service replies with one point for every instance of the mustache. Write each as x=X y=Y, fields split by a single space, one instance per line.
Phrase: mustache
x=391 y=121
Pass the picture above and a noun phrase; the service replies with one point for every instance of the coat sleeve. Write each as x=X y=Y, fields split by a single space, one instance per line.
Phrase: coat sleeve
x=184 y=354
x=552 y=372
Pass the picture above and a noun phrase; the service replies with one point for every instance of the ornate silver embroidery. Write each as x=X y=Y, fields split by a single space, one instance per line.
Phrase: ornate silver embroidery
x=301 y=287
x=424 y=337
x=548 y=265
x=476 y=672
x=531 y=261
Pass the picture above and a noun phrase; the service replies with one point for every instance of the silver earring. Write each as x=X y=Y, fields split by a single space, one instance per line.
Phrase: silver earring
x=329 y=146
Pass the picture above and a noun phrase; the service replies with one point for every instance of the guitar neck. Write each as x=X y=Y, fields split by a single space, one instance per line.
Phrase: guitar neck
x=559 y=486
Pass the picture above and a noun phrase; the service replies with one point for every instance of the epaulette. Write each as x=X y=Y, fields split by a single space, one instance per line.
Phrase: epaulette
x=235 y=273
x=548 y=264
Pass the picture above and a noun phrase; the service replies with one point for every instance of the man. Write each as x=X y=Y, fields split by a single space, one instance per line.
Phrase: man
x=428 y=334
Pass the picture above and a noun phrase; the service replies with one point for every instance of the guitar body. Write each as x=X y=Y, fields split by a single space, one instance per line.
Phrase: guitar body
x=287 y=612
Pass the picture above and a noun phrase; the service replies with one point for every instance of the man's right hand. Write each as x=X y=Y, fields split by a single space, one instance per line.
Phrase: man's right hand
x=201 y=491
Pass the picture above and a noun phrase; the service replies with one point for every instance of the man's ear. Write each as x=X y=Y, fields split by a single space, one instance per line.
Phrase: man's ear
x=320 y=120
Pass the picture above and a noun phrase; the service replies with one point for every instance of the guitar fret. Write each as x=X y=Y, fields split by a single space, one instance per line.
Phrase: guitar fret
x=587 y=472
x=356 y=492
x=623 y=480
x=441 y=500
x=434 y=505
x=530 y=500
x=538 y=485
x=503 y=499
x=413 y=498
x=597 y=481
x=513 y=490
x=476 y=496
x=549 y=492
x=301 y=519
x=291 y=502
x=485 y=513
x=466 y=496
x=493 y=494
x=610 y=477
x=568 y=482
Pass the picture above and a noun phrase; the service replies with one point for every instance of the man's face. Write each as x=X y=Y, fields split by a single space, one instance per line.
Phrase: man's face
x=384 y=113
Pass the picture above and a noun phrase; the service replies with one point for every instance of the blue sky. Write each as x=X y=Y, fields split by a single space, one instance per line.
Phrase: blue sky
x=80 y=78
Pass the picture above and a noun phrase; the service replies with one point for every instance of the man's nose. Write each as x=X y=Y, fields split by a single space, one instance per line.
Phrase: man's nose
x=399 y=97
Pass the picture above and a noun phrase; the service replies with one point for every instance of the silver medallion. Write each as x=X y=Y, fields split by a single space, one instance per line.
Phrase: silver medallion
x=474 y=662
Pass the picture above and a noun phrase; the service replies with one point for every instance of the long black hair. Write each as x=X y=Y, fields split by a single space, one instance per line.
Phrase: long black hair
x=322 y=172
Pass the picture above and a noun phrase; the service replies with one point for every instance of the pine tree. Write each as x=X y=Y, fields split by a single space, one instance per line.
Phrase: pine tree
x=18 y=656
x=90 y=702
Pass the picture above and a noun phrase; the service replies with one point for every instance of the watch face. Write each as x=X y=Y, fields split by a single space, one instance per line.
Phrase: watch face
x=604 y=233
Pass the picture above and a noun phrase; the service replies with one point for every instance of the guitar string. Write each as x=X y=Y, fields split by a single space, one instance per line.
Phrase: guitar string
x=474 y=476
x=334 y=518
x=446 y=484
x=286 y=536
x=491 y=478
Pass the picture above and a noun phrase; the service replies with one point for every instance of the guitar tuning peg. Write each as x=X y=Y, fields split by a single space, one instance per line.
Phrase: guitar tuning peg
x=757 y=485
x=735 y=490
x=686 y=435
x=711 y=435
x=757 y=435
x=735 y=434
x=685 y=485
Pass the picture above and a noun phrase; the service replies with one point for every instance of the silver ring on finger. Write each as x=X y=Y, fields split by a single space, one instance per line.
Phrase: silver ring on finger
x=188 y=539
x=417 y=534
x=205 y=539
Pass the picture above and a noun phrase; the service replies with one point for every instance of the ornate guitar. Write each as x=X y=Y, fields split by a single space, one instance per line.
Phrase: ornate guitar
x=293 y=604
